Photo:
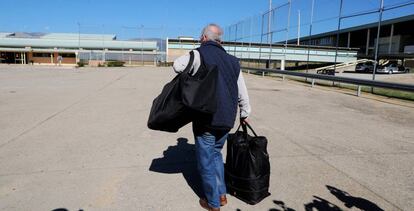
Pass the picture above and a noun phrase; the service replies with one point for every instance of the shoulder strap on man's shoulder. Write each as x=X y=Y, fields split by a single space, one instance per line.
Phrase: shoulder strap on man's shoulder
x=190 y=63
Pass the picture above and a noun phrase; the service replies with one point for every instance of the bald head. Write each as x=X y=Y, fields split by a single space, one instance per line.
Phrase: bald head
x=211 y=32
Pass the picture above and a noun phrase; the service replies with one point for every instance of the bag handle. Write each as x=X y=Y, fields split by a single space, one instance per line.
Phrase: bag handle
x=244 y=126
x=190 y=63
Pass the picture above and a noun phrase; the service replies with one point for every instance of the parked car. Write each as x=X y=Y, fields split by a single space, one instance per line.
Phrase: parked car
x=328 y=71
x=392 y=68
x=366 y=67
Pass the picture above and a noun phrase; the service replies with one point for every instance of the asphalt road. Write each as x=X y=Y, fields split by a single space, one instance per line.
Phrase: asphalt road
x=77 y=139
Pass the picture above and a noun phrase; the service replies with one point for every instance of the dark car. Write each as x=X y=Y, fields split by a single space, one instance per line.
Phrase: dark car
x=328 y=71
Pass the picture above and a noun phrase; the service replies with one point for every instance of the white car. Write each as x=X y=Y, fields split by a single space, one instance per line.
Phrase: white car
x=391 y=68
x=364 y=67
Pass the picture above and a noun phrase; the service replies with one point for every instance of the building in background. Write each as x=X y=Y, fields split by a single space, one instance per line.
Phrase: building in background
x=263 y=55
x=93 y=49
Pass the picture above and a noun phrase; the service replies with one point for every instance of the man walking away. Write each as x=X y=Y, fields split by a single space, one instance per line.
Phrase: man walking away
x=211 y=132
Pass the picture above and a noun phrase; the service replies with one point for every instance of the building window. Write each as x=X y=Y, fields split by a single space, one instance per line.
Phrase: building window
x=67 y=55
x=41 y=55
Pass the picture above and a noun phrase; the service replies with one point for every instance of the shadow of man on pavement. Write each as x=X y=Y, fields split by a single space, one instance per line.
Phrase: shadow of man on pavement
x=180 y=158
x=321 y=204
x=351 y=201
x=281 y=206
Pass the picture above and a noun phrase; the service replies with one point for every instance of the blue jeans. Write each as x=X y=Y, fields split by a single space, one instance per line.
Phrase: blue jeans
x=210 y=165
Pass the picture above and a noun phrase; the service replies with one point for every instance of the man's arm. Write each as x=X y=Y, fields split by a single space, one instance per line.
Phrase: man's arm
x=244 y=102
x=181 y=62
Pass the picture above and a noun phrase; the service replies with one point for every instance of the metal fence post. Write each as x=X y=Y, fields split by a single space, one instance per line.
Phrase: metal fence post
x=359 y=91
x=261 y=40
x=250 y=41
x=270 y=36
x=235 y=40
x=310 y=34
x=269 y=21
x=337 y=33
x=381 y=9
x=287 y=32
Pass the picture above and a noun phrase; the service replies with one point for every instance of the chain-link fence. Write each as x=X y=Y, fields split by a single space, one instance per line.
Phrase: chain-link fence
x=379 y=30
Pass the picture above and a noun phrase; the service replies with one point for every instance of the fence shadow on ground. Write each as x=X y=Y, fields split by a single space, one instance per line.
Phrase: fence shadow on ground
x=321 y=204
x=177 y=159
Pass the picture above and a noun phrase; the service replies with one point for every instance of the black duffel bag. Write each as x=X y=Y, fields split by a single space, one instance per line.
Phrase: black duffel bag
x=247 y=167
x=168 y=112
x=184 y=98
x=199 y=90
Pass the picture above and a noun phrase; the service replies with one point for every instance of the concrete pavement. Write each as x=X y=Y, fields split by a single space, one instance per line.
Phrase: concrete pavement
x=77 y=139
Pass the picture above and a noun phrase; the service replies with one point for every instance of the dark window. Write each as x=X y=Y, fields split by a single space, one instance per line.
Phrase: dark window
x=41 y=55
x=67 y=55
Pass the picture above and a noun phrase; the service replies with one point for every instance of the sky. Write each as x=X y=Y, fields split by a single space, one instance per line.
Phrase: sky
x=119 y=16
x=171 y=18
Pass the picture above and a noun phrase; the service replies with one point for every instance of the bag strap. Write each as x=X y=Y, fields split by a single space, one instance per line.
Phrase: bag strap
x=190 y=63
x=202 y=63
x=246 y=125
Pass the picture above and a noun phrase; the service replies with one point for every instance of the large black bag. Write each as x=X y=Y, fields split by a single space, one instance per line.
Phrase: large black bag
x=168 y=113
x=247 y=167
x=185 y=98
x=199 y=91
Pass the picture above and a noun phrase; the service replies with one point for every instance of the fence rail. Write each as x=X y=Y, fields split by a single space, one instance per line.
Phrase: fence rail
x=359 y=82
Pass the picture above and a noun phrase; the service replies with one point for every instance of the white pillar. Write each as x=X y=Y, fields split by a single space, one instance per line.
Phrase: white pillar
x=104 y=54
x=282 y=64
x=77 y=56
x=130 y=53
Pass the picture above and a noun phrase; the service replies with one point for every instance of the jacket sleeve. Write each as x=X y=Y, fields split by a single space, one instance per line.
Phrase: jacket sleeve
x=181 y=62
x=244 y=102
